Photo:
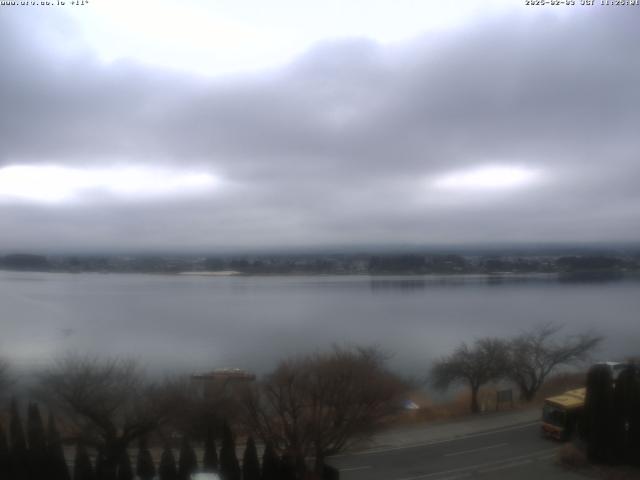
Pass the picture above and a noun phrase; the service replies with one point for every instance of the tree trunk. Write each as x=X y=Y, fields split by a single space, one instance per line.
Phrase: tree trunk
x=319 y=463
x=301 y=466
x=475 y=407
x=527 y=394
x=113 y=451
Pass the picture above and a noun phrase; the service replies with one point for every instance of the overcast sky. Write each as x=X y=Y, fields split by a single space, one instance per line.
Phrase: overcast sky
x=216 y=125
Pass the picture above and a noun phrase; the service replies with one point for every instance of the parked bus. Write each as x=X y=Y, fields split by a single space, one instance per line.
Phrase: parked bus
x=560 y=414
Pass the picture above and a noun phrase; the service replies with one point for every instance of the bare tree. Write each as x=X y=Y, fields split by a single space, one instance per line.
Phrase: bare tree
x=537 y=352
x=109 y=401
x=485 y=361
x=316 y=406
x=194 y=409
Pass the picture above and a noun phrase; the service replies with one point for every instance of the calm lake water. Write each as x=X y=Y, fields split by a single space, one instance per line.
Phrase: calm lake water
x=198 y=323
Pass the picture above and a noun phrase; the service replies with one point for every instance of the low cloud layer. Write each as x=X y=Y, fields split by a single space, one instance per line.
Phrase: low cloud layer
x=343 y=146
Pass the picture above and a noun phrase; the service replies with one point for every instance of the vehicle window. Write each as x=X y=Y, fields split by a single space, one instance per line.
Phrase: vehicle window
x=553 y=415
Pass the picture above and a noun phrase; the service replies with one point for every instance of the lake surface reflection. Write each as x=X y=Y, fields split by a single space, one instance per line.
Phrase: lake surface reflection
x=194 y=323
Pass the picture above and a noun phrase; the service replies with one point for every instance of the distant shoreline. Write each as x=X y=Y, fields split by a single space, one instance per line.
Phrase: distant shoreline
x=219 y=273
x=586 y=276
x=419 y=265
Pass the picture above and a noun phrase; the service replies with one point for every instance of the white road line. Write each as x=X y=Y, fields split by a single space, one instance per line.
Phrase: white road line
x=475 y=450
x=548 y=457
x=353 y=469
x=506 y=466
x=436 y=442
x=456 y=477
x=478 y=466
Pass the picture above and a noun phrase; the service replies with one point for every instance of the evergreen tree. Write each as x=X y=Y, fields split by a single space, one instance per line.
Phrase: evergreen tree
x=210 y=459
x=5 y=456
x=99 y=468
x=621 y=412
x=82 y=469
x=19 y=459
x=634 y=424
x=188 y=462
x=330 y=473
x=626 y=398
x=145 y=468
x=270 y=464
x=37 y=453
x=56 y=461
x=167 y=469
x=250 y=462
x=107 y=462
x=229 y=466
x=598 y=414
x=287 y=467
x=125 y=472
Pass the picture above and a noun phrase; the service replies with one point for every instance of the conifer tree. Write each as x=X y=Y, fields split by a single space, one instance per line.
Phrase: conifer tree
x=270 y=464
x=145 y=468
x=167 y=469
x=55 y=453
x=37 y=452
x=634 y=424
x=210 y=459
x=5 y=456
x=626 y=398
x=287 y=467
x=125 y=471
x=82 y=469
x=188 y=462
x=229 y=466
x=19 y=459
x=250 y=462
x=99 y=467
x=598 y=414
x=330 y=473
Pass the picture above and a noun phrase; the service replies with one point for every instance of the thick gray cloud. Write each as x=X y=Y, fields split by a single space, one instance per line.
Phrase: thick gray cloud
x=338 y=148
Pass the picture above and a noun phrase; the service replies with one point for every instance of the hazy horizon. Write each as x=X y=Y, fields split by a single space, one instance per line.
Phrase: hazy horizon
x=525 y=248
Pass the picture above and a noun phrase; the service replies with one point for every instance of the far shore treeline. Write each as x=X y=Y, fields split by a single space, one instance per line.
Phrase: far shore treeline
x=570 y=262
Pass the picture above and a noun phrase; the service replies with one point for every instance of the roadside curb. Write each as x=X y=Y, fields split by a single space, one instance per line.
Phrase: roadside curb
x=435 y=441
x=433 y=436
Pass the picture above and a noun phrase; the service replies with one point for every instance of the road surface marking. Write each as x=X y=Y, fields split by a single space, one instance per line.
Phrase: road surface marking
x=505 y=466
x=475 y=450
x=374 y=451
x=479 y=465
x=353 y=469
x=548 y=457
x=456 y=477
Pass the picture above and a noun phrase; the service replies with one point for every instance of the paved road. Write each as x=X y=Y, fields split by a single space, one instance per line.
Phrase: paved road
x=516 y=452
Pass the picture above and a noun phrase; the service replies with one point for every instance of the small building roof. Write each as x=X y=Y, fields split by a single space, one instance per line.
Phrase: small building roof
x=225 y=374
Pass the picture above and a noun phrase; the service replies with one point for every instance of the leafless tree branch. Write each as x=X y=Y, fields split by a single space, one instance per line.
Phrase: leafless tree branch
x=317 y=405
x=535 y=354
x=109 y=400
x=475 y=365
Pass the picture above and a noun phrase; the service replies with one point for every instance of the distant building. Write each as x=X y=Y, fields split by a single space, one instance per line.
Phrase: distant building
x=220 y=379
x=225 y=374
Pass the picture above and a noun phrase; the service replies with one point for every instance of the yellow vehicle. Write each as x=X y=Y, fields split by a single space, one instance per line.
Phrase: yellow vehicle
x=560 y=414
